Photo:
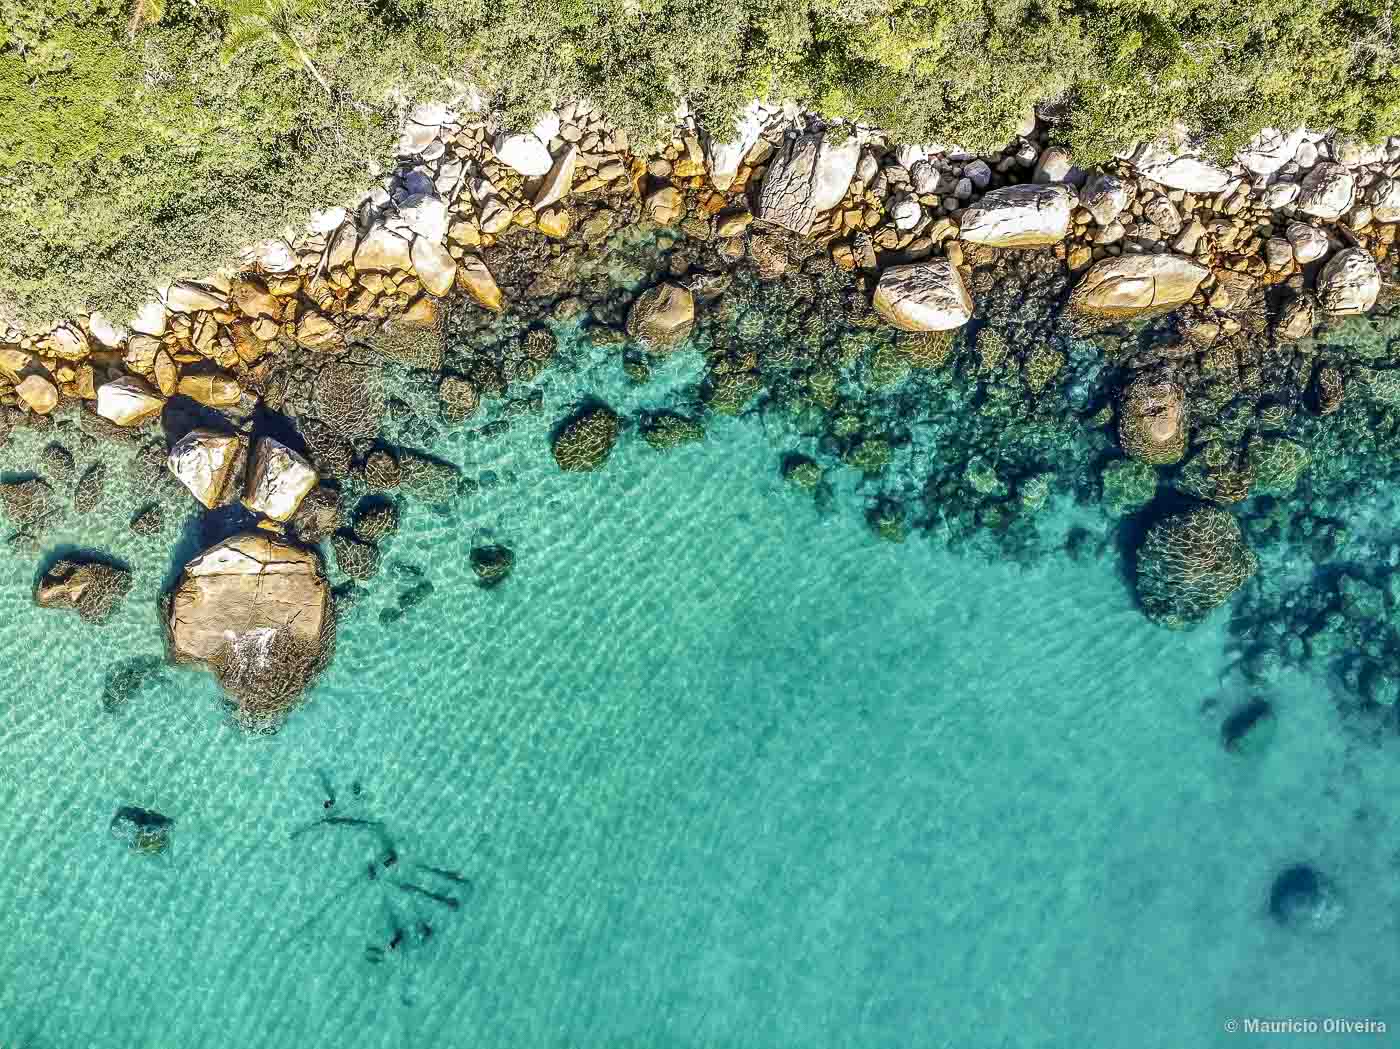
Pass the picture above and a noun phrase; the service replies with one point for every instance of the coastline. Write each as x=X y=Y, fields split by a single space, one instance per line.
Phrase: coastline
x=1020 y=257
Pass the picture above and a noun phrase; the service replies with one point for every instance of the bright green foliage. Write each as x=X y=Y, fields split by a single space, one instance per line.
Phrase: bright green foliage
x=142 y=138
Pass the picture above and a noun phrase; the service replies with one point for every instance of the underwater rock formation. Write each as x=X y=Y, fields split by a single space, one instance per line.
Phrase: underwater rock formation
x=91 y=588
x=1190 y=563
x=586 y=441
x=1304 y=899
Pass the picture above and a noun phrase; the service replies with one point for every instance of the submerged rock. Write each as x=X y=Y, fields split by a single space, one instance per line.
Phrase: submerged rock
x=586 y=441
x=1249 y=729
x=661 y=317
x=144 y=831
x=1189 y=564
x=1305 y=900
x=91 y=588
x=39 y=395
x=924 y=296
x=492 y=564
x=257 y=612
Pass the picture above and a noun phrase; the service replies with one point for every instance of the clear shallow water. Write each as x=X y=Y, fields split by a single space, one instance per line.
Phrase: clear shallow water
x=721 y=772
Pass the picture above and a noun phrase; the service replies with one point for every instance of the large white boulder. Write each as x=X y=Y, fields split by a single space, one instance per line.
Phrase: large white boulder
x=435 y=267
x=1269 y=150
x=426 y=216
x=1134 y=284
x=128 y=401
x=1328 y=192
x=524 y=152
x=1309 y=242
x=1385 y=200
x=278 y=480
x=1186 y=171
x=923 y=296
x=202 y=461
x=1018 y=217
x=1349 y=283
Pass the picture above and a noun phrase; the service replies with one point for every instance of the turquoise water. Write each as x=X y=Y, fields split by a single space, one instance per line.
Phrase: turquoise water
x=721 y=772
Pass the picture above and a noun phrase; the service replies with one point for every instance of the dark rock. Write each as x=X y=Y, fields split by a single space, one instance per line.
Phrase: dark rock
x=1306 y=900
x=143 y=830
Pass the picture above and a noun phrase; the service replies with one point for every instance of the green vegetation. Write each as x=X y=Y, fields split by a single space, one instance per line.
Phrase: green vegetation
x=144 y=138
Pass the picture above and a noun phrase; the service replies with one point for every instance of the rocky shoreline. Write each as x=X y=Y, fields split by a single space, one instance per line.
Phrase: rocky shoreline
x=249 y=389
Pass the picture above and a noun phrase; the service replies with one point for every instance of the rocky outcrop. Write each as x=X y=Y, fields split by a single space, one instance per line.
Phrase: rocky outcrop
x=203 y=461
x=924 y=296
x=1018 y=217
x=661 y=317
x=256 y=611
x=723 y=157
x=128 y=401
x=1134 y=284
x=1349 y=283
x=278 y=480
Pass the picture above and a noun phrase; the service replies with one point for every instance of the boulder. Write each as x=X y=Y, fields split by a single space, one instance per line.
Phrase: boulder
x=213 y=389
x=1349 y=283
x=381 y=250
x=278 y=480
x=1105 y=196
x=1019 y=217
x=426 y=216
x=661 y=317
x=128 y=401
x=665 y=205
x=723 y=158
x=145 y=832
x=257 y=611
x=203 y=461
x=924 y=296
x=808 y=176
x=1184 y=171
x=249 y=295
x=1134 y=284
x=1309 y=242
x=187 y=296
x=523 y=152
x=39 y=395
x=560 y=179
x=1385 y=200
x=150 y=319
x=435 y=267
x=106 y=334
x=475 y=279
x=1269 y=150
x=1328 y=192
x=340 y=252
